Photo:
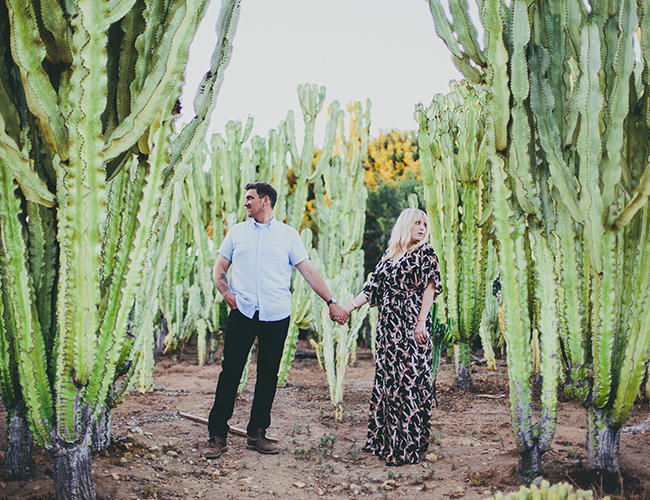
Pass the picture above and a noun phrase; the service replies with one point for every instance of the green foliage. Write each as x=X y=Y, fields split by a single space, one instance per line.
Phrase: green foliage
x=385 y=202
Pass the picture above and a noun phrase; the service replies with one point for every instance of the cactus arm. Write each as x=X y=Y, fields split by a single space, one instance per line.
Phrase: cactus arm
x=638 y=201
x=172 y=53
x=119 y=9
x=18 y=287
x=466 y=31
x=635 y=354
x=445 y=30
x=604 y=320
x=11 y=156
x=497 y=56
x=546 y=291
x=191 y=136
x=28 y=53
x=518 y=156
x=515 y=308
x=574 y=339
x=549 y=137
x=590 y=102
x=8 y=382
x=617 y=98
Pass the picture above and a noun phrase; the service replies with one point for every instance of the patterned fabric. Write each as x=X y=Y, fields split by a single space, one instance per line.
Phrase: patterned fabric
x=400 y=406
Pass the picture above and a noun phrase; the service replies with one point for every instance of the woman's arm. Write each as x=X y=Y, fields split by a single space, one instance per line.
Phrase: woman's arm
x=428 y=297
x=356 y=303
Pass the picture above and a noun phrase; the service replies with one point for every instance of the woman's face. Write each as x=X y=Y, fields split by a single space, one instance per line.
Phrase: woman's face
x=418 y=230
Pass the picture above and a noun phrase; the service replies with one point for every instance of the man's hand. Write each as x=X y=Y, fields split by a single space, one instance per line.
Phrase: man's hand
x=230 y=299
x=338 y=314
x=221 y=281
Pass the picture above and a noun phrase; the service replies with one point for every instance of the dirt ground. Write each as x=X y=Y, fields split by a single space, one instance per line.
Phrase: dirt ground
x=157 y=454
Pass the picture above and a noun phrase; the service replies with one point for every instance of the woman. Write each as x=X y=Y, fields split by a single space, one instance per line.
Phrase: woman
x=404 y=285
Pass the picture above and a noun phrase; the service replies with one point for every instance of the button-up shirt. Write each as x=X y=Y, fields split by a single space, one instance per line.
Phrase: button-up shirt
x=262 y=257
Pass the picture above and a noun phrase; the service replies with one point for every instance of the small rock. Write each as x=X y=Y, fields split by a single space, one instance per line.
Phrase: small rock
x=370 y=487
x=128 y=455
x=355 y=488
x=172 y=453
x=154 y=448
x=299 y=484
x=116 y=476
x=319 y=492
x=389 y=485
x=431 y=457
x=445 y=442
x=186 y=491
x=137 y=430
x=123 y=460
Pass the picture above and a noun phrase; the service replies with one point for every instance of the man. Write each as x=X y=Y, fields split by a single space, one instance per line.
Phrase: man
x=260 y=253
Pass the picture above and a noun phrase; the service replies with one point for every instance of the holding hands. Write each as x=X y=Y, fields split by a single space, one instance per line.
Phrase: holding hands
x=338 y=314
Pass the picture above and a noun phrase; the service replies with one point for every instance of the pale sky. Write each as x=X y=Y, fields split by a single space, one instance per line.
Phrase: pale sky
x=385 y=50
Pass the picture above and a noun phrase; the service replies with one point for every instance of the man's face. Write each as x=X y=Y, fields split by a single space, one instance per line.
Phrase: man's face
x=254 y=204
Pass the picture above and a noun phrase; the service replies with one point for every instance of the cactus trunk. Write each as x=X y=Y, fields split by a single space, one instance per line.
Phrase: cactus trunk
x=603 y=441
x=20 y=441
x=463 y=364
x=72 y=470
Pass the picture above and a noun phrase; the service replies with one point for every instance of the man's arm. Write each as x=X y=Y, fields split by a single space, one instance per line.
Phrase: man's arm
x=317 y=283
x=221 y=281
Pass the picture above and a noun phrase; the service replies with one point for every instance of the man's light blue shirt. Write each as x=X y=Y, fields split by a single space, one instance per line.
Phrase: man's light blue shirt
x=262 y=257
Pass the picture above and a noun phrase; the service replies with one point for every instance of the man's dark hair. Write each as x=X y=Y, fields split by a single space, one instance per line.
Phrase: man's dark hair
x=263 y=189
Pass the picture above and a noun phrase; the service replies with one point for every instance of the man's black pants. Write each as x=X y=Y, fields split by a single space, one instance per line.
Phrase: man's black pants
x=239 y=337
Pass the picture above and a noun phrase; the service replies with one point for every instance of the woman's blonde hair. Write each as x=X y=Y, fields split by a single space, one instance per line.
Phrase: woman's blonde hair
x=400 y=236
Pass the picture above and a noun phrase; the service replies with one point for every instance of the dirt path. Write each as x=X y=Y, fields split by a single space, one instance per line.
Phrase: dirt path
x=157 y=453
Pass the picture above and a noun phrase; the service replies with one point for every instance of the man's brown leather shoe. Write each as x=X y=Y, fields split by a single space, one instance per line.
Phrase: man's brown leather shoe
x=216 y=446
x=259 y=443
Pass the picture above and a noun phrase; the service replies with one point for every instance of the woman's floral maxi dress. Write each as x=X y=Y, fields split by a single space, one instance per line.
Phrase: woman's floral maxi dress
x=402 y=397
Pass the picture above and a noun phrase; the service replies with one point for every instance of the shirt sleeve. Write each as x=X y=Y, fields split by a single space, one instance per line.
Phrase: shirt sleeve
x=227 y=247
x=297 y=252
x=431 y=269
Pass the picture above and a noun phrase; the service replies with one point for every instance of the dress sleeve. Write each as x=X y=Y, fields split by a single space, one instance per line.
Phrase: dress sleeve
x=431 y=269
x=374 y=288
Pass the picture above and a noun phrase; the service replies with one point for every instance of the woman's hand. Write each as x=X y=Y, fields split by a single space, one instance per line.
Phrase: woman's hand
x=421 y=332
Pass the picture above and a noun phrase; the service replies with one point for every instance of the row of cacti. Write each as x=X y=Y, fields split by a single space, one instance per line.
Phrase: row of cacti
x=215 y=197
x=455 y=174
x=340 y=216
x=89 y=164
x=567 y=120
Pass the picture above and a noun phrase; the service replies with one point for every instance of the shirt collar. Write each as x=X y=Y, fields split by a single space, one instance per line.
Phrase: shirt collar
x=257 y=225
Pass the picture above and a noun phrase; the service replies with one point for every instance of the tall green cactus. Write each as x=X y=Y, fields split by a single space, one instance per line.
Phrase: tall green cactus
x=569 y=113
x=454 y=162
x=88 y=97
x=336 y=346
